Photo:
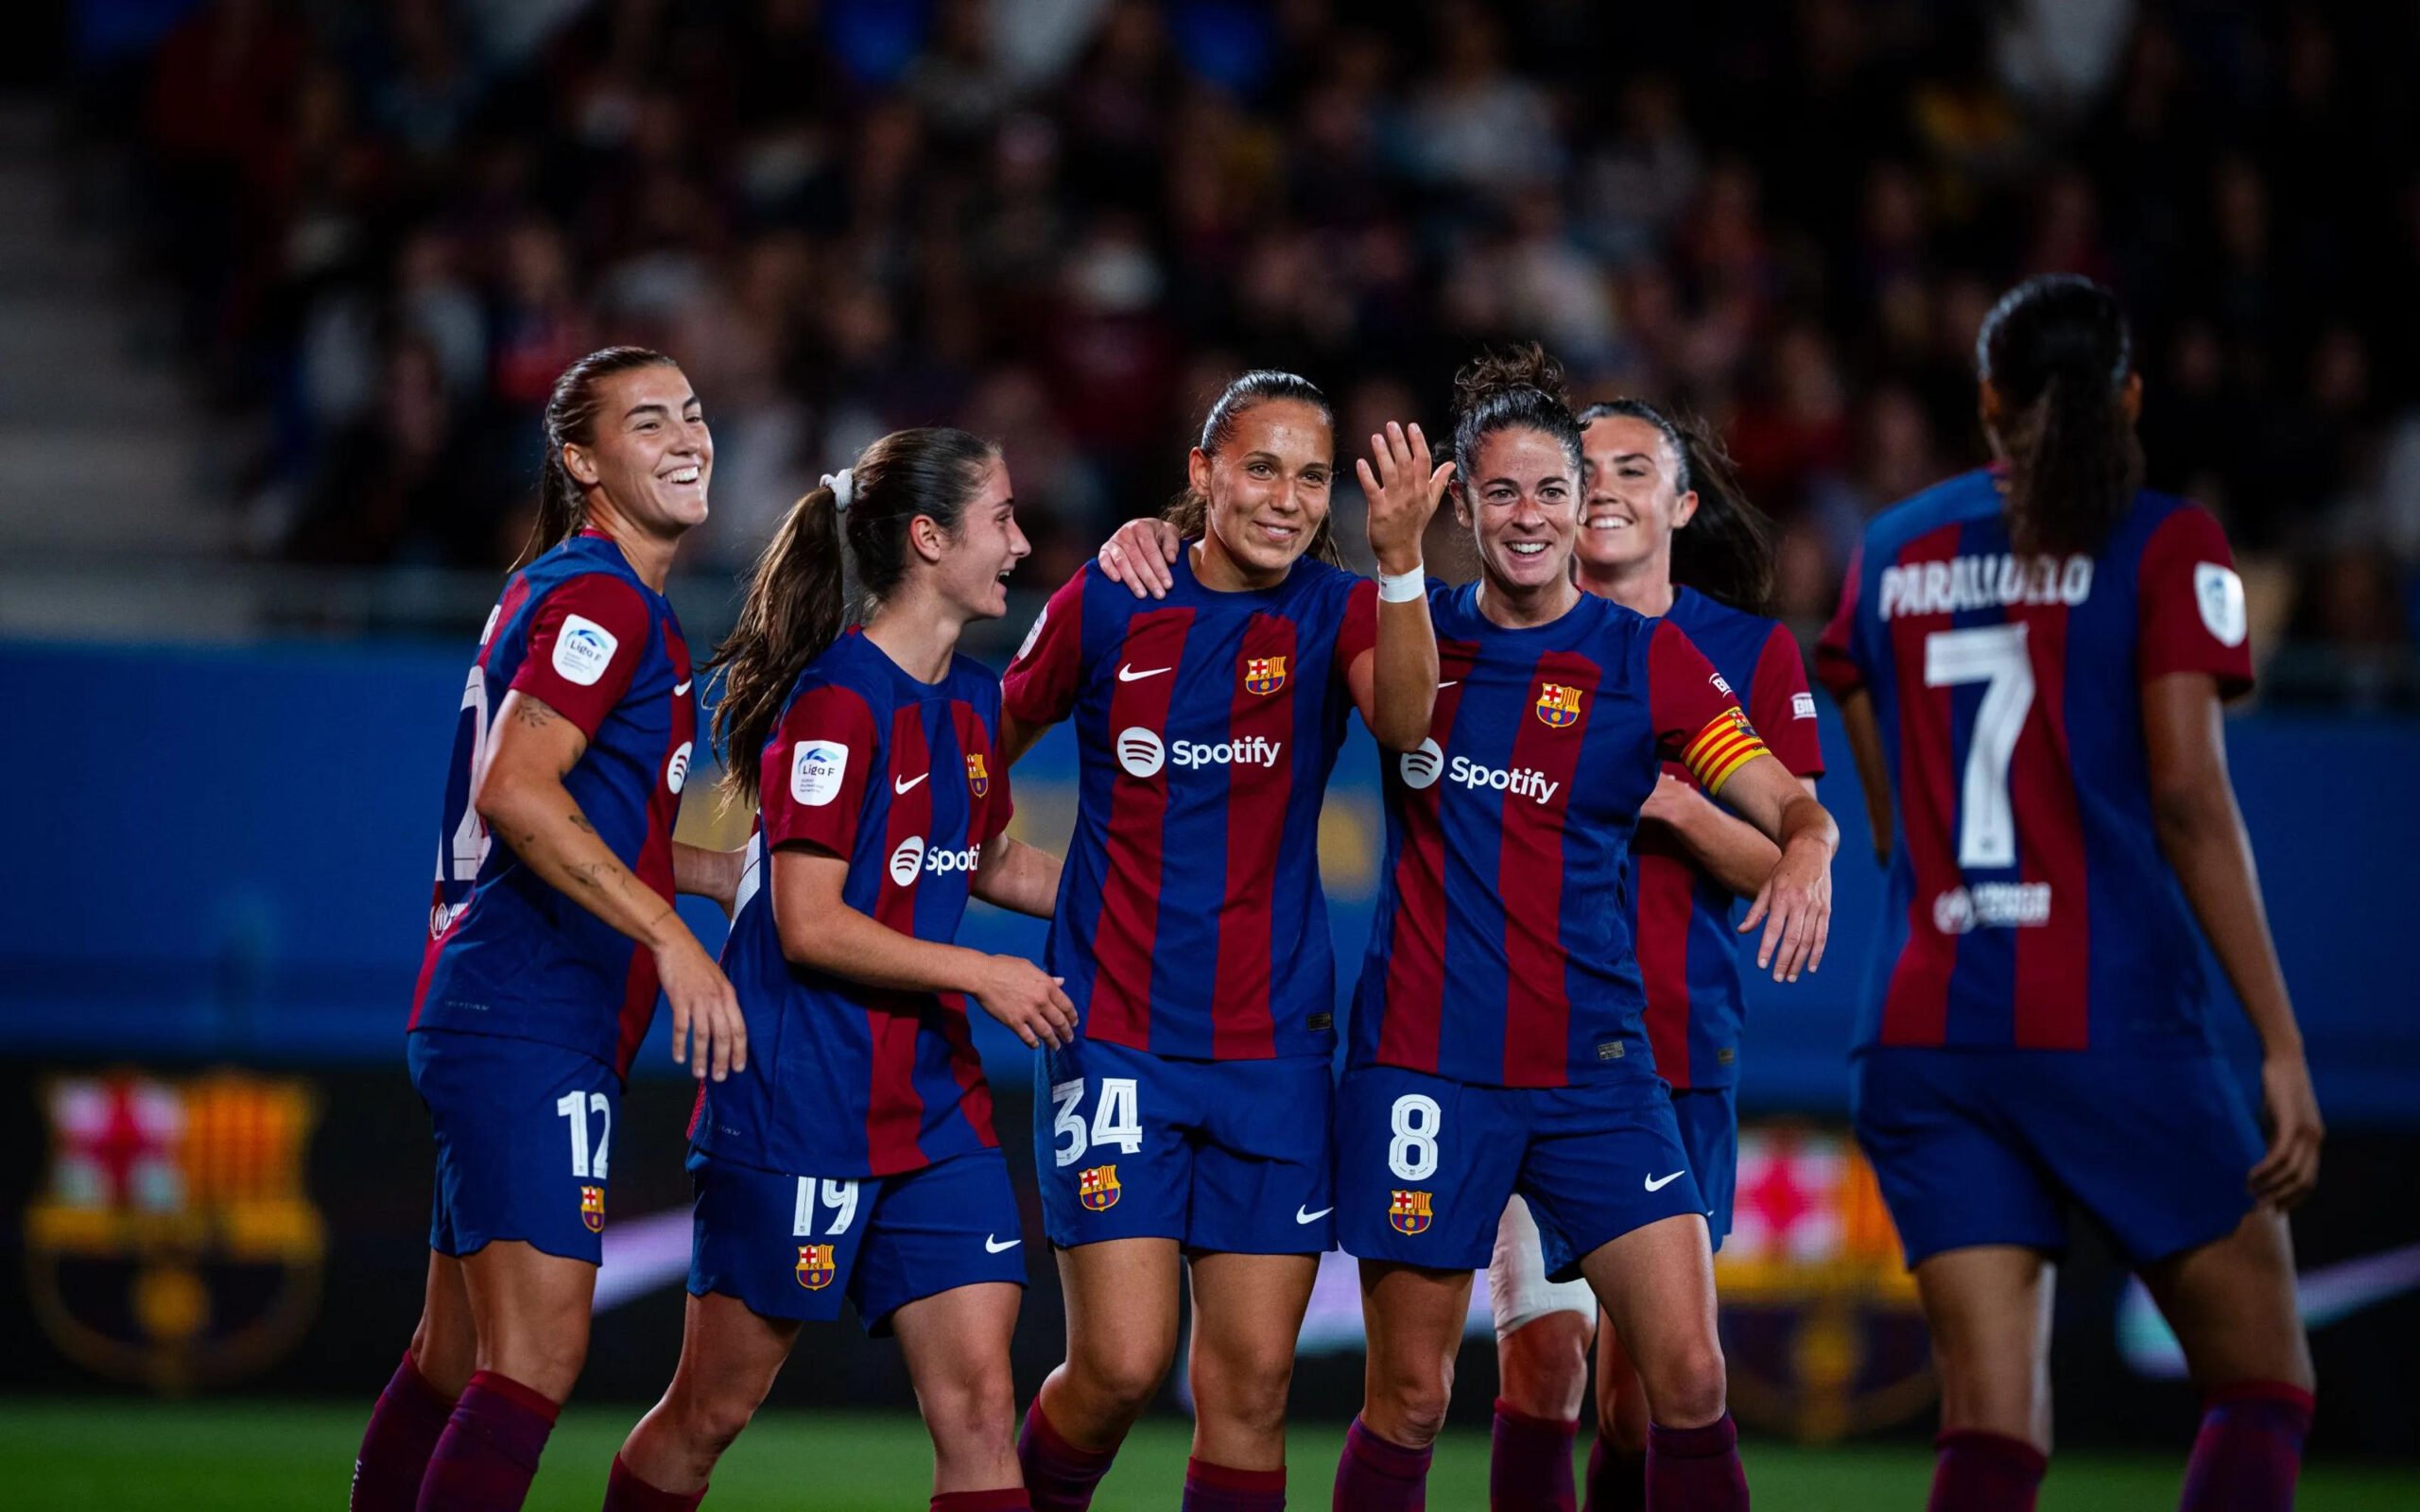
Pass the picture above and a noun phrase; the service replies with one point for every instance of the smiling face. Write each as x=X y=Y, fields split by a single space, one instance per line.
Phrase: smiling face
x=1522 y=503
x=1268 y=486
x=649 y=458
x=970 y=568
x=1632 y=505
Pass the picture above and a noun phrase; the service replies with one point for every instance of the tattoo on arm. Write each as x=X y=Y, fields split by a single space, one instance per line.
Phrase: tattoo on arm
x=580 y=822
x=531 y=712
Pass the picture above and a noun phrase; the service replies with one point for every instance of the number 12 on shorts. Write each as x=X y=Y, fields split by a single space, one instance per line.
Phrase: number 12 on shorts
x=575 y=1108
x=1117 y=1118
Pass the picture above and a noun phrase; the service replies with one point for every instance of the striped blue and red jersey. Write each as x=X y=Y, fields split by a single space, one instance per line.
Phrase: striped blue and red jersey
x=509 y=954
x=1190 y=920
x=2029 y=905
x=1682 y=917
x=1501 y=953
x=903 y=779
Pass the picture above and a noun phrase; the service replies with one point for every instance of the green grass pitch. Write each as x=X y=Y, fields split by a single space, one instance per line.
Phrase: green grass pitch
x=58 y=1455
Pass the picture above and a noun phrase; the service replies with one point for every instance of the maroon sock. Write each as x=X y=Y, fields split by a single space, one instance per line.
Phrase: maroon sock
x=403 y=1433
x=1696 y=1469
x=1976 y=1471
x=490 y=1448
x=1529 y=1463
x=1617 y=1481
x=1005 y=1499
x=1059 y=1475
x=1224 y=1489
x=2250 y=1449
x=1376 y=1475
x=625 y=1492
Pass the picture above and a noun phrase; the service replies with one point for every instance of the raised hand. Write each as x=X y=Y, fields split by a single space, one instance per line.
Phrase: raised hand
x=1403 y=489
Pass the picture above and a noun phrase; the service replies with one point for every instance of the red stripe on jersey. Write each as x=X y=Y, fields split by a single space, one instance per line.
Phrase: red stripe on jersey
x=1537 y=1006
x=2053 y=959
x=428 y=957
x=949 y=1021
x=516 y=593
x=1915 y=1010
x=1666 y=901
x=964 y=1063
x=1128 y=935
x=655 y=857
x=1416 y=949
x=894 y=1112
x=1241 y=1027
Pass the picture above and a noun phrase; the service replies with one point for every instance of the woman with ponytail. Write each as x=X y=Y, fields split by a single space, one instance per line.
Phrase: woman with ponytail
x=1188 y=1126
x=2031 y=661
x=854 y=1158
x=1663 y=530
x=1497 y=1047
x=546 y=952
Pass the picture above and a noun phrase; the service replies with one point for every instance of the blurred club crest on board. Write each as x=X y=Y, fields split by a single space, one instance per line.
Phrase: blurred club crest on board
x=173 y=1243
x=1820 y=1321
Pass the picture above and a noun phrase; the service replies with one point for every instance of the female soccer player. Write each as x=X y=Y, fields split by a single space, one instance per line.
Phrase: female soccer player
x=573 y=745
x=1189 y=1119
x=1496 y=1041
x=855 y=1156
x=2029 y=661
x=1666 y=532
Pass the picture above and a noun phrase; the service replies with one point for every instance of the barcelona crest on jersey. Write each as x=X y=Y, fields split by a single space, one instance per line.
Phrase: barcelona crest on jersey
x=1558 y=705
x=1097 y=1188
x=979 y=778
x=816 y=1267
x=1409 y=1212
x=1264 y=673
x=592 y=1209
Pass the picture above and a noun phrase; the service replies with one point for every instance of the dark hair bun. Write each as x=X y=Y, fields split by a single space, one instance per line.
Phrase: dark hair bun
x=1499 y=374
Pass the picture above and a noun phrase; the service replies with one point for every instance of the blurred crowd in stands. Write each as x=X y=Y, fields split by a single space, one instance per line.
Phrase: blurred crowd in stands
x=1064 y=222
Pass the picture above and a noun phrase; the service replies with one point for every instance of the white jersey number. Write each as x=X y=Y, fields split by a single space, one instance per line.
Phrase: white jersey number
x=1411 y=1155
x=1995 y=656
x=840 y=1196
x=1118 y=1119
x=587 y=1161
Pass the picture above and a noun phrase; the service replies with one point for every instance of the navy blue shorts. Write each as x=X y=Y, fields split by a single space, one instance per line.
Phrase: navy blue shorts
x=524 y=1130
x=795 y=1246
x=1225 y=1156
x=1709 y=1120
x=1995 y=1147
x=1423 y=1166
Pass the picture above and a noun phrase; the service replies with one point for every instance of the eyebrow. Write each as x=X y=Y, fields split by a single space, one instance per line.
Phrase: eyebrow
x=1620 y=458
x=652 y=407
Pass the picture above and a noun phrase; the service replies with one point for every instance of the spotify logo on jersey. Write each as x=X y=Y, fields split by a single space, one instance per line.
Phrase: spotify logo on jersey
x=907 y=860
x=1140 y=752
x=676 y=771
x=1421 y=764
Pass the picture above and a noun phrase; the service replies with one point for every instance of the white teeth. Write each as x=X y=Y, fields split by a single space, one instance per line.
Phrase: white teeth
x=1527 y=548
x=686 y=475
x=1609 y=524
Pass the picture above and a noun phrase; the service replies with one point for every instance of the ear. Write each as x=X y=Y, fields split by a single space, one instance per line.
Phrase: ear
x=1461 y=503
x=581 y=465
x=1197 y=471
x=1685 y=509
x=928 y=538
x=2130 y=399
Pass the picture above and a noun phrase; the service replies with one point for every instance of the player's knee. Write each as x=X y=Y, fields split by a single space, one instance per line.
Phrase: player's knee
x=1413 y=1404
x=1248 y=1391
x=1543 y=1365
x=972 y=1409
x=1621 y=1416
x=713 y=1420
x=1125 y=1374
x=1687 y=1387
x=546 y=1363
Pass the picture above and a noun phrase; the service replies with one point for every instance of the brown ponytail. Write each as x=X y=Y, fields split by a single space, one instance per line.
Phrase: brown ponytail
x=2057 y=352
x=797 y=598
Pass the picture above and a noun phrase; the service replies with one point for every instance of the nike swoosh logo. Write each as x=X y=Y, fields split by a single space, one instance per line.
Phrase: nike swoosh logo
x=992 y=1247
x=1449 y=682
x=1300 y=1217
x=1126 y=672
x=681 y=688
x=1654 y=1184
x=898 y=786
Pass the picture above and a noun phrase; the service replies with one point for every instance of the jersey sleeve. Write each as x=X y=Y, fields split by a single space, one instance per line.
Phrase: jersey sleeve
x=1698 y=722
x=1782 y=708
x=817 y=769
x=1043 y=677
x=586 y=641
x=2192 y=610
x=1359 y=631
x=1835 y=658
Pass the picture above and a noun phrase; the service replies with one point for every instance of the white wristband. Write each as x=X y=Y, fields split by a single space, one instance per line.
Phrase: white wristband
x=1401 y=587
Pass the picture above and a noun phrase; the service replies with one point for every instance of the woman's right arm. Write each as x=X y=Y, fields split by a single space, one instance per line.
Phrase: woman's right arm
x=2201 y=831
x=521 y=797
x=820 y=931
x=1873 y=773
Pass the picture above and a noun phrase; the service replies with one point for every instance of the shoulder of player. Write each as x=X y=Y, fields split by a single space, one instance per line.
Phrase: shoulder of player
x=1952 y=500
x=2153 y=513
x=833 y=686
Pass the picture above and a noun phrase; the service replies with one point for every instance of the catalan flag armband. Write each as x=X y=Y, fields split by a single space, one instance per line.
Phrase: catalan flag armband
x=1727 y=743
